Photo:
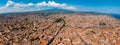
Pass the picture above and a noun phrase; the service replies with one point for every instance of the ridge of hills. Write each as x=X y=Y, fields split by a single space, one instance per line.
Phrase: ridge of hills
x=52 y=10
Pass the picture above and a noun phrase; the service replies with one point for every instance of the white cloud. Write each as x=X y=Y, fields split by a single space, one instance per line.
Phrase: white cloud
x=42 y=4
x=21 y=7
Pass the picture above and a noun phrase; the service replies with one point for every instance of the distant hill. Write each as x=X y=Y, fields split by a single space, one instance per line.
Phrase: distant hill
x=58 y=10
x=49 y=11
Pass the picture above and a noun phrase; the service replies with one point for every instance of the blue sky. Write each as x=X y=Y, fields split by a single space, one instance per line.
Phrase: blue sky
x=104 y=6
